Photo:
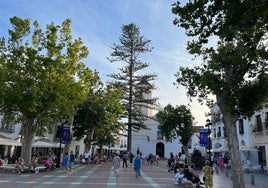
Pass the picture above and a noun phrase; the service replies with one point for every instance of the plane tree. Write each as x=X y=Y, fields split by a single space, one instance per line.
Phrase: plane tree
x=231 y=37
x=97 y=120
x=43 y=77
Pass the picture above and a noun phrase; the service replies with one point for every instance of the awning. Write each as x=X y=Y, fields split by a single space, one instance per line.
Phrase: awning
x=118 y=148
x=245 y=148
x=43 y=144
x=9 y=142
x=222 y=149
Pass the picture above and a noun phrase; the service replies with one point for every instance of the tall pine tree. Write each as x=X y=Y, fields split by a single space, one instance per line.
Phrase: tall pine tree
x=134 y=82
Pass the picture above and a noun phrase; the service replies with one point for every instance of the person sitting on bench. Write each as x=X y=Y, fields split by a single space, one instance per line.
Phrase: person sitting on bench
x=189 y=175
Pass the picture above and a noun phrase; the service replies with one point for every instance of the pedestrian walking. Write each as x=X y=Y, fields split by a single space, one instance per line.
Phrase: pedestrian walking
x=86 y=157
x=157 y=158
x=125 y=157
x=116 y=164
x=207 y=174
x=71 y=161
x=137 y=166
x=65 y=162
x=130 y=157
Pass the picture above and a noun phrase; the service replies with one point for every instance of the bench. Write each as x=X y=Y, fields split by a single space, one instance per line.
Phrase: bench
x=186 y=183
x=39 y=168
x=8 y=167
x=11 y=167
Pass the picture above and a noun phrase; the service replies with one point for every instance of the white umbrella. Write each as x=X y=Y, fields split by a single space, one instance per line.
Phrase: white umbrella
x=9 y=142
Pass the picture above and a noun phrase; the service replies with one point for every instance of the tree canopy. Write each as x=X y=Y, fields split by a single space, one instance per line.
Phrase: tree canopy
x=98 y=118
x=176 y=122
x=42 y=75
x=235 y=68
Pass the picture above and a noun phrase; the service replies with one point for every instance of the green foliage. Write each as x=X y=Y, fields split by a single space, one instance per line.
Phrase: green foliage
x=176 y=122
x=235 y=69
x=197 y=158
x=42 y=76
x=98 y=117
x=130 y=78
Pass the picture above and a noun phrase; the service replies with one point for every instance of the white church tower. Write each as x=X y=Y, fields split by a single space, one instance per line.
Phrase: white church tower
x=145 y=91
x=150 y=140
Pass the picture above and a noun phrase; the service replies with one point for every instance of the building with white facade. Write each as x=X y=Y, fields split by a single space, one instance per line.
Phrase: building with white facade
x=252 y=136
x=151 y=140
x=43 y=143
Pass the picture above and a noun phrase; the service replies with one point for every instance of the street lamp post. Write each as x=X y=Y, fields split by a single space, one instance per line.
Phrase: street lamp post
x=209 y=139
x=59 y=153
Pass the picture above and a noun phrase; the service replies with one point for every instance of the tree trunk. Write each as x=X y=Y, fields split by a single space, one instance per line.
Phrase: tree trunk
x=89 y=139
x=129 y=137
x=27 y=141
x=185 y=147
x=229 y=120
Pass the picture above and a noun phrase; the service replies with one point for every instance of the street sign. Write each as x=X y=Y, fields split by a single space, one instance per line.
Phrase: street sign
x=65 y=135
x=203 y=137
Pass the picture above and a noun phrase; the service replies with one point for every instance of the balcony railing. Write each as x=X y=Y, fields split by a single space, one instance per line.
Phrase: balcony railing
x=259 y=128
x=7 y=130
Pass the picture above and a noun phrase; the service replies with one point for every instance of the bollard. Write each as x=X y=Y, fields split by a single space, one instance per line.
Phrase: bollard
x=252 y=179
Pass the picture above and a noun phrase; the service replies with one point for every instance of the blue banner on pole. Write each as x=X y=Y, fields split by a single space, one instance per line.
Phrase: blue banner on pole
x=203 y=137
x=65 y=135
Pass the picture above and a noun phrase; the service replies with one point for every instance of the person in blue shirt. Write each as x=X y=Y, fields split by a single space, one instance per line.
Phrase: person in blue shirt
x=137 y=166
x=65 y=162
x=71 y=161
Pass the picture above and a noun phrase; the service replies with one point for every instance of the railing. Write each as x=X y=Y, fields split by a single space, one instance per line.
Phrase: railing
x=8 y=130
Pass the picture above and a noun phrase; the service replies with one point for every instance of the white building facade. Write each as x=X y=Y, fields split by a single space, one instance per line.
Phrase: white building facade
x=252 y=136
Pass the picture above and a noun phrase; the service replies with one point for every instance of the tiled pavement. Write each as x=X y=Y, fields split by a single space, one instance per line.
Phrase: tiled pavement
x=100 y=176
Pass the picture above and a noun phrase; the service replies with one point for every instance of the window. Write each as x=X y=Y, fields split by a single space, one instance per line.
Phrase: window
x=214 y=132
x=216 y=118
x=258 y=123
x=159 y=135
x=58 y=133
x=40 y=129
x=241 y=126
x=6 y=125
x=266 y=120
x=219 y=132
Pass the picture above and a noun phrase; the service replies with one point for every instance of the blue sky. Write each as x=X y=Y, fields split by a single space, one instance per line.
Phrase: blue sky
x=99 y=24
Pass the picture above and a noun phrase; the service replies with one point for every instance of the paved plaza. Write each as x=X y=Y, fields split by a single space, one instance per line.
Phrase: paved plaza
x=100 y=176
